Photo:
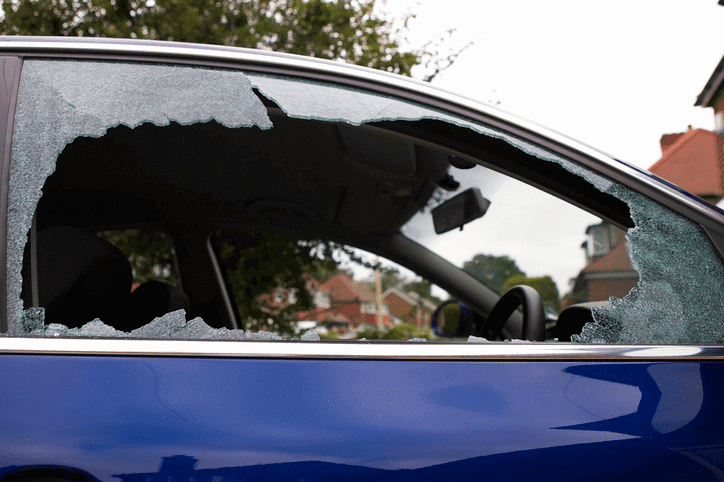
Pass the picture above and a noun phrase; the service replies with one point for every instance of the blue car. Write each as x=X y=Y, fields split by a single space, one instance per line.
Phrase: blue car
x=172 y=215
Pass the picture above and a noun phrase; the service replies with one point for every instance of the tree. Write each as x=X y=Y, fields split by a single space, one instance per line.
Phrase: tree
x=389 y=278
x=348 y=30
x=150 y=252
x=545 y=286
x=403 y=331
x=492 y=270
x=421 y=287
x=259 y=262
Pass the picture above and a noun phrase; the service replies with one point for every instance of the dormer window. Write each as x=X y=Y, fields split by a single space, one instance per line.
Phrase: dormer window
x=601 y=239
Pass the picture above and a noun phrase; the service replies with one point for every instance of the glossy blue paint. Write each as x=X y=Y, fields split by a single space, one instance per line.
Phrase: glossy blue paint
x=119 y=418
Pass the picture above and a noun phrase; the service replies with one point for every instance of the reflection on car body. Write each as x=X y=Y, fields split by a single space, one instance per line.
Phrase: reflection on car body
x=229 y=170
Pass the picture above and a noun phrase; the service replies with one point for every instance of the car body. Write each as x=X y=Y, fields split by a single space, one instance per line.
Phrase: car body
x=200 y=141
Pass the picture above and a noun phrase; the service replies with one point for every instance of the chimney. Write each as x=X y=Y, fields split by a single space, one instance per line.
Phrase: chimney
x=667 y=140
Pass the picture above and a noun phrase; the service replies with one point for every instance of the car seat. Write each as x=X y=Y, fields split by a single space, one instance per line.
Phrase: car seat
x=81 y=277
x=151 y=300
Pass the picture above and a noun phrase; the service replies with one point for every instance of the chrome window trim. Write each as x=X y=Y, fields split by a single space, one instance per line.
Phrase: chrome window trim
x=659 y=190
x=354 y=350
x=662 y=192
x=698 y=211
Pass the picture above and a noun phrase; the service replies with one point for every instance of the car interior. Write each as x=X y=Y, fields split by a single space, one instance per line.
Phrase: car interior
x=356 y=185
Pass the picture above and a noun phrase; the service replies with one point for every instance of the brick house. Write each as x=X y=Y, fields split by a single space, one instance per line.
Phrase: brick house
x=409 y=307
x=281 y=298
x=354 y=300
x=608 y=271
x=689 y=160
x=712 y=95
x=322 y=312
x=340 y=303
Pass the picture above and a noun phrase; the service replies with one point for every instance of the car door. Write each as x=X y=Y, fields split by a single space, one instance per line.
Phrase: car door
x=103 y=136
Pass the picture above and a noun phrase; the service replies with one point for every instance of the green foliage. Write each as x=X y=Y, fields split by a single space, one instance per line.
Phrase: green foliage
x=390 y=278
x=403 y=331
x=450 y=319
x=421 y=287
x=260 y=262
x=150 y=252
x=330 y=335
x=545 y=286
x=324 y=271
x=494 y=271
x=349 y=30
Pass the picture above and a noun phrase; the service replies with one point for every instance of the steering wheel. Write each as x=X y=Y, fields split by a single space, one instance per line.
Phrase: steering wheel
x=533 y=313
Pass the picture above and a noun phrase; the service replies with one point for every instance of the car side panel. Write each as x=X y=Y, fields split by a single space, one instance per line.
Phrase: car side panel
x=151 y=418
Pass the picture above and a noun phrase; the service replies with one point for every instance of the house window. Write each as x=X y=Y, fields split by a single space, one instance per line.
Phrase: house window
x=601 y=239
x=368 y=307
x=321 y=300
x=278 y=295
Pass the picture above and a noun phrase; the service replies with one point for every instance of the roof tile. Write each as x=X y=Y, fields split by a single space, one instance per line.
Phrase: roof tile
x=690 y=162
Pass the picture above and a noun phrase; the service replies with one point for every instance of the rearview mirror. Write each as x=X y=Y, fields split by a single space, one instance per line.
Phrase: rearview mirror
x=459 y=210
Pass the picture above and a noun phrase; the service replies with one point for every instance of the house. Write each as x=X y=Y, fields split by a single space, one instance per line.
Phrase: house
x=694 y=161
x=712 y=95
x=689 y=160
x=340 y=303
x=355 y=301
x=608 y=271
x=322 y=311
x=409 y=307
x=281 y=298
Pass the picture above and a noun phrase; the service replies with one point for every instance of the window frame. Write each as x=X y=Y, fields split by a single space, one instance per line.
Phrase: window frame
x=710 y=220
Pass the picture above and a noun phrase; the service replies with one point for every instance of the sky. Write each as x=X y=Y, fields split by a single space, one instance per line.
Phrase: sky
x=615 y=75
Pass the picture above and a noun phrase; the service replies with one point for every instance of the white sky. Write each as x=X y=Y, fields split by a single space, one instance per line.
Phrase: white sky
x=615 y=75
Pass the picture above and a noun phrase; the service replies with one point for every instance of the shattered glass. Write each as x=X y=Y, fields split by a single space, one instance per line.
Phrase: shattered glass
x=666 y=307
x=60 y=101
x=339 y=104
x=170 y=326
x=673 y=303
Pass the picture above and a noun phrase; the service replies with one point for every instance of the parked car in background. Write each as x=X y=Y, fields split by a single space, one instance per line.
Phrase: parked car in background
x=248 y=168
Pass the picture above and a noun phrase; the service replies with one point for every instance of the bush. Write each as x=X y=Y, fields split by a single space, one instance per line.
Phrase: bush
x=451 y=319
x=403 y=331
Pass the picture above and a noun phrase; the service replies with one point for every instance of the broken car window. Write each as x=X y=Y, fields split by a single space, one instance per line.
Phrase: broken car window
x=104 y=146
